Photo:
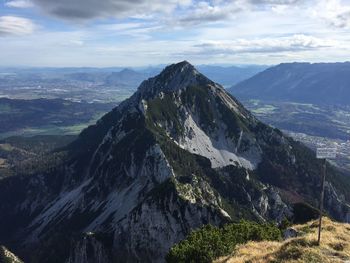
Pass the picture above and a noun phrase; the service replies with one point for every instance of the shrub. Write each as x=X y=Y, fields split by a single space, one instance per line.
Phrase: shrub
x=303 y=213
x=210 y=242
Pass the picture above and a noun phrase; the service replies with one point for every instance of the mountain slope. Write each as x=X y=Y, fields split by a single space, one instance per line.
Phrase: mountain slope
x=125 y=77
x=178 y=154
x=28 y=153
x=302 y=248
x=231 y=75
x=320 y=83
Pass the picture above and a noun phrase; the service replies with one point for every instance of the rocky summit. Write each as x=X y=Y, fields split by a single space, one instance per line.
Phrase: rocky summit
x=178 y=154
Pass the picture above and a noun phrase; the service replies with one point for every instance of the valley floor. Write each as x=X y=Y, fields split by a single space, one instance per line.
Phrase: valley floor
x=343 y=147
x=313 y=125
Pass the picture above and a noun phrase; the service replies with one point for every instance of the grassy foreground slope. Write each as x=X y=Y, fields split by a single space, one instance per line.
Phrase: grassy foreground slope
x=335 y=246
x=210 y=242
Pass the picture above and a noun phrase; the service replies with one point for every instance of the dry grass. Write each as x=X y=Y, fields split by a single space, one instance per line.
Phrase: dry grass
x=7 y=256
x=335 y=246
x=3 y=163
x=6 y=147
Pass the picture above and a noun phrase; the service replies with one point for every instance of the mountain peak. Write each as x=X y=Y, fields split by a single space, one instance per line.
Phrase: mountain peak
x=179 y=154
x=181 y=66
x=127 y=71
x=174 y=77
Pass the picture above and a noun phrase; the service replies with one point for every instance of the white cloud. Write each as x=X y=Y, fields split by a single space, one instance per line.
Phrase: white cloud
x=160 y=31
x=14 y=25
x=295 y=43
x=276 y=2
x=205 y=12
x=89 y=48
x=136 y=30
x=181 y=12
x=90 y=9
x=334 y=12
x=19 y=4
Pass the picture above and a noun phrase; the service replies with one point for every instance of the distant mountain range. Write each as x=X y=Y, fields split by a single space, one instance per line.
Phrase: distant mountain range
x=320 y=83
x=230 y=75
x=127 y=77
x=124 y=78
x=180 y=153
x=225 y=75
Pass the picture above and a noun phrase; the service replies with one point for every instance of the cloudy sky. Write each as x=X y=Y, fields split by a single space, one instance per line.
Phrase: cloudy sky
x=144 y=32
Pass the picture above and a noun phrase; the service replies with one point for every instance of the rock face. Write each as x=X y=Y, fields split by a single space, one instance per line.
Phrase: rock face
x=178 y=154
x=289 y=233
x=89 y=249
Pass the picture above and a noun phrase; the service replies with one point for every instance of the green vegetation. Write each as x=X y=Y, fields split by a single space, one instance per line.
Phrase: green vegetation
x=210 y=242
x=266 y=109
x=19 y=155
x=38 y=144
x=164 y=110
x=47 y=116
x=334 y=246
x=234 y=122
x=198 y=98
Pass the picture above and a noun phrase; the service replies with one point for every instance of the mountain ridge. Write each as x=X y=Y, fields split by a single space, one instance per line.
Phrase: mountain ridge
x=180 y=153
x=299 y=82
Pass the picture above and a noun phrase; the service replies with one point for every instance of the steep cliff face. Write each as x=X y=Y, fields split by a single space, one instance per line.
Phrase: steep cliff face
x=178 y=154
x=88 y=248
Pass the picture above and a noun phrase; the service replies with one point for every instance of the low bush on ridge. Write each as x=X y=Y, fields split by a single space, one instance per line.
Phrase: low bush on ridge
x=210 y=242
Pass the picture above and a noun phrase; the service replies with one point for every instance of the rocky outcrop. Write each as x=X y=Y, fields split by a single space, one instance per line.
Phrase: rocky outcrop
x=89 y=249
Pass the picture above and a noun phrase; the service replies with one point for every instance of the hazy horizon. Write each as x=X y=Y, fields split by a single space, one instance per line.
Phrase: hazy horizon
x=139 y=67
x=160 y=66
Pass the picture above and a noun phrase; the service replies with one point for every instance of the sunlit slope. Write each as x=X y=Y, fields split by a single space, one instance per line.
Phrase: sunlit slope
x=335 y=246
